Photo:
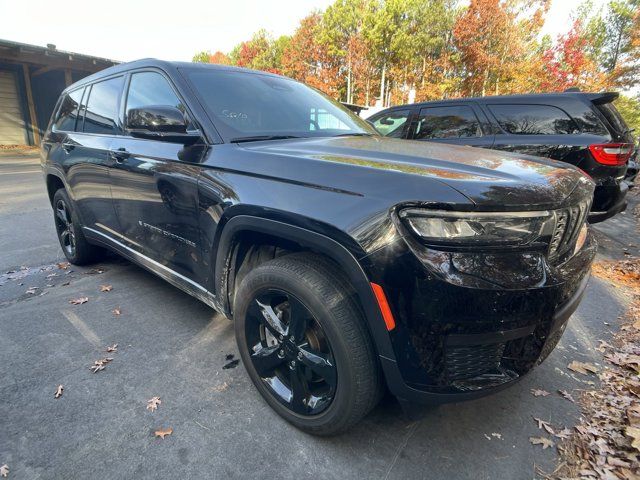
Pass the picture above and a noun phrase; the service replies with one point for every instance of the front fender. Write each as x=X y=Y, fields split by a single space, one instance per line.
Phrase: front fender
x=319 y=243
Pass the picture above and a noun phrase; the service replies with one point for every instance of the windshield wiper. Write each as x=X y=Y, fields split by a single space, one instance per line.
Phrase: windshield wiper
x=355 y=134
x=258 y=138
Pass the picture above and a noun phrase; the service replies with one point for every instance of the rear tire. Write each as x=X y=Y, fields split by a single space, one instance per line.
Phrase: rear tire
x=333 y=362
x=73 y=242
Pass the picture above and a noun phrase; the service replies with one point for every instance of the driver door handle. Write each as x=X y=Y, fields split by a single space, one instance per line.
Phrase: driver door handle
x=119 y=155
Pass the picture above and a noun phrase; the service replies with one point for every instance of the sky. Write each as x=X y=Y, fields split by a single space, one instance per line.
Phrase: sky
x=128 y=30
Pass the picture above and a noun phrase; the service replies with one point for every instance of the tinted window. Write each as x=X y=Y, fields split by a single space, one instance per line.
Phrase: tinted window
x=456 y=121
x=102 y=106
x=533 y=120
x=614 y=118
x=69 y=110
x=249 y=105
x=151 y=88
x=392 y=124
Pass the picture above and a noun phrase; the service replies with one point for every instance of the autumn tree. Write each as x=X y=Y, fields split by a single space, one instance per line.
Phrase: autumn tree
x=307 y=60
x=208 y=57
x=496 y=40
x=342 y=33
x=620 y=50
x=570 y=65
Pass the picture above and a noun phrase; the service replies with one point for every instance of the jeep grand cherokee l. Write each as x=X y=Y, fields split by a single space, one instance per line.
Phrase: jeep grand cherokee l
x=583 y=129
x=347 y=260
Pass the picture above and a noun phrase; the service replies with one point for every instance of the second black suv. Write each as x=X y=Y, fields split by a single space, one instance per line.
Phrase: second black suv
x=343 y=257
x=583 y=129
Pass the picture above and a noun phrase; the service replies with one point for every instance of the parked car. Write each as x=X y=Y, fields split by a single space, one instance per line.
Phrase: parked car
x=347 y=260
x=583 y=129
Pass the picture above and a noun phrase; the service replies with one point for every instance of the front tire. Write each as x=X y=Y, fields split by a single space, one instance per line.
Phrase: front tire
x=304 y=343
x=73 y=242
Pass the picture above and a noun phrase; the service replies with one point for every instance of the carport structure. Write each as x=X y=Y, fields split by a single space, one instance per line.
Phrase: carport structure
x=31 y=79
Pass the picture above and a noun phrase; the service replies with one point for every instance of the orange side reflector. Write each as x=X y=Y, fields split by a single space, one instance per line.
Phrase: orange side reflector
x=384 y=306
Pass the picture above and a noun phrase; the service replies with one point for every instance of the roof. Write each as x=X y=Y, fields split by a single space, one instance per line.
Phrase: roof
x=596 y=97
x=166 y=66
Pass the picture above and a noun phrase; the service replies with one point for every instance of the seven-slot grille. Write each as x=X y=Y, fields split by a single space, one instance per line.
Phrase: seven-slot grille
x=569 y=221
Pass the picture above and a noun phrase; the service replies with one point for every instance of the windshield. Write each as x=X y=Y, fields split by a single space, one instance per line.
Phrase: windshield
x=250 y=106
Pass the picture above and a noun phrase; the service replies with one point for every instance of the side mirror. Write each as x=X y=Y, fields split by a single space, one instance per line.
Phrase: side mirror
x=159 y=121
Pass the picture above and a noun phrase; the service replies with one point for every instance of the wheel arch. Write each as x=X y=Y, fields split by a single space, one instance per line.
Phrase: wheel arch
x=240 y=225
x=54 y=182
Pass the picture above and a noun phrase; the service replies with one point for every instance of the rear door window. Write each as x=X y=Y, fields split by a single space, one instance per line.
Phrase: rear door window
x=614 y=118
x=102 y=107
x=392 y=124
x=455 y=121
x=69 y=111
x=533 y=120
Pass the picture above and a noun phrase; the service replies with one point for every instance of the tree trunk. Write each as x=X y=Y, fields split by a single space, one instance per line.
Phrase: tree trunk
x=382 y=83
x=349 y=92
x=484 y=82
x=366 y=95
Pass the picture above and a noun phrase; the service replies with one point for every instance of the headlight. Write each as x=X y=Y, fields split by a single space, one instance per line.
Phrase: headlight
x=441 y=227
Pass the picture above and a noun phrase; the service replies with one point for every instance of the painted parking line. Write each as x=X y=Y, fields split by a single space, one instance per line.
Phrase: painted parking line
x=20 y=173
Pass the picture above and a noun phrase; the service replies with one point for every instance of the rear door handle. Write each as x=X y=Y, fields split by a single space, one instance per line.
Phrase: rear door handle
x=119 y=155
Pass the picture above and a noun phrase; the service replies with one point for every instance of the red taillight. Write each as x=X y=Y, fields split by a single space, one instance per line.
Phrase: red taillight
x=389 y=321
x=612 y=153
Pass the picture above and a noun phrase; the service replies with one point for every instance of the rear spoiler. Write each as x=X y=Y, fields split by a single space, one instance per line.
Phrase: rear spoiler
x=602 y=98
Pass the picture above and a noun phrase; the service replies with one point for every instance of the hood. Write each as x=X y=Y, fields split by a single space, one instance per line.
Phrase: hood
x=488 y=178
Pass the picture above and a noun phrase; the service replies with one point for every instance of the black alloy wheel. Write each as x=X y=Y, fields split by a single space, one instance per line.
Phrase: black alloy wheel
x=304 y=343
x=290 y=352
x=72 y=240
x=65 y=228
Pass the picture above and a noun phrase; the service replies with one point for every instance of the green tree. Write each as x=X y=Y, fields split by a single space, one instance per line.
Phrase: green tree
x=201 y=57
x=629 y=108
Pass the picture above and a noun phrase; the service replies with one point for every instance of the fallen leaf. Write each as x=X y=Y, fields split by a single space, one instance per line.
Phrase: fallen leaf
x=564 y=433
x=544 y=425
x=112 y=348
x=4 y=470
x=106 y=288
x=545 y=442
x=63 y=265
x=221 y=388
x=229 y=356
x=153 y=403
x=583 y=368
x=100 y=364
x=116 y=311
x=634 y=434
x=231 y=364
x=633 y=415
x=59 y=390
x=539 y=393
x=163 y=432
x=567 y=395
x=79 y=301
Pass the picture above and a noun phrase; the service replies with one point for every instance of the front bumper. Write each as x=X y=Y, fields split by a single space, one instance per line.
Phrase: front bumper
x=458 y=337
x=608 y=200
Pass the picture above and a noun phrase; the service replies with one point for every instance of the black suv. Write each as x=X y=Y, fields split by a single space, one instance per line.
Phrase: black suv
x=583 y=129
x=347 y=260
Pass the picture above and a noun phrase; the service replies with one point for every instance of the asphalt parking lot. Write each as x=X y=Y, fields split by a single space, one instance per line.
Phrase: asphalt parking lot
x=174 y=347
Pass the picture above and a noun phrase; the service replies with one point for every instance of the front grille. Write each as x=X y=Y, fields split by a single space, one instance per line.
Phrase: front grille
x=469 y=361
x=569 y=221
